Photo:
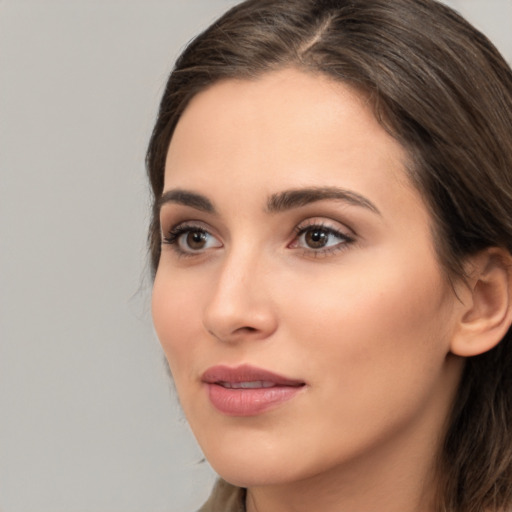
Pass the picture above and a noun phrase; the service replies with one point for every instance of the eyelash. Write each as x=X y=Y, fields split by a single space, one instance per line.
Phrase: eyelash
x=174 y=235
x=311 y=226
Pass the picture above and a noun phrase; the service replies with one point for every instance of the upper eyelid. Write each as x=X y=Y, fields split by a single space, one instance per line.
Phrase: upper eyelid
x=339 y=232
x=300 y=231
x=166 y=227
x=327 y=223
x=317 y=221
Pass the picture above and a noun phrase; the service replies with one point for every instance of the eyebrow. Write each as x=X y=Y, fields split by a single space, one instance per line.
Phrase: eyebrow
x=279 y=202
x=184 y=197
x=296 y=198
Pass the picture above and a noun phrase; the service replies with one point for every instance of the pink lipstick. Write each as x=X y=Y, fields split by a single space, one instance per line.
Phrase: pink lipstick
x=247 y=390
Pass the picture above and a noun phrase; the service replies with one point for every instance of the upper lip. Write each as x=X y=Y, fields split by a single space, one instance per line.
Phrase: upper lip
x=246 y=373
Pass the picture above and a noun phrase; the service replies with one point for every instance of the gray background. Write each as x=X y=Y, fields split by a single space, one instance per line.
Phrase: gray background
x=88 y=419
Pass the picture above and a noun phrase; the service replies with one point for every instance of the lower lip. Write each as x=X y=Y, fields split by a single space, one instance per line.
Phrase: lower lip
x=249 y=402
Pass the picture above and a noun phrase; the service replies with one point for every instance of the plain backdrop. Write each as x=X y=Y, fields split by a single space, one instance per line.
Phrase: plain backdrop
x=88 y=418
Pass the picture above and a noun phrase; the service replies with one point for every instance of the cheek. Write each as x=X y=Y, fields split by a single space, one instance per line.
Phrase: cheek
x=176 y=319
x=380 y=322
x=375 y=351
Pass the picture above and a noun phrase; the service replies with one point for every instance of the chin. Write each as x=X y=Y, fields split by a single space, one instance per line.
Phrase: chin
x=248 y=473
x=251 y=462
x=261 y=462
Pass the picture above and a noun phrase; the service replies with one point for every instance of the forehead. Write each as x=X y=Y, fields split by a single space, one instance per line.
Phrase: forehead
x=285 y=129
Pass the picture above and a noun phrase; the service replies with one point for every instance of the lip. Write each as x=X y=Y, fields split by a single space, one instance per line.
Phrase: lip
x=247 y=390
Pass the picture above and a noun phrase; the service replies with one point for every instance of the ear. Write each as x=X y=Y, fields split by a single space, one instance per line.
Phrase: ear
x=486 y=303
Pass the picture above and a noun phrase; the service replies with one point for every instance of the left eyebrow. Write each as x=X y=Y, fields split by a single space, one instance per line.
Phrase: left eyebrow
x=296 y=198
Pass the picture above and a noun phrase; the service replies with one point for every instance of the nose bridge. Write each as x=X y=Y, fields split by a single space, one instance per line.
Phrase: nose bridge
x=240 y=302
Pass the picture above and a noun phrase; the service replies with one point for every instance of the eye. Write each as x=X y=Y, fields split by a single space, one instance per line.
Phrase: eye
x=191 y=240
x=319 y=238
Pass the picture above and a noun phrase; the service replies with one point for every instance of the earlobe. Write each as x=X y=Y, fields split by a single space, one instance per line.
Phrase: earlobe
x=486 y=312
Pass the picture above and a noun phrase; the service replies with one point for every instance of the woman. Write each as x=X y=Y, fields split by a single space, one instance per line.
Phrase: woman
x=331 y=240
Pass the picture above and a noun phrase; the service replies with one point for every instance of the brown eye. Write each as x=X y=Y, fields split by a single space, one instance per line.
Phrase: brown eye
x=316 y=238
x=319 y=239
x=191 y=240
x=196 y=240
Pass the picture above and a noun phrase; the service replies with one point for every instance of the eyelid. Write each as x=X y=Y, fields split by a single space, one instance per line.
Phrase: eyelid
x=328 y=224
x=174 y=227
x=334 y=228
x=177 y=231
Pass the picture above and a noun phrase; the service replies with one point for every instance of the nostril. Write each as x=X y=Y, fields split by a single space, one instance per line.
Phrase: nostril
x=246 y=329
x=239 y=320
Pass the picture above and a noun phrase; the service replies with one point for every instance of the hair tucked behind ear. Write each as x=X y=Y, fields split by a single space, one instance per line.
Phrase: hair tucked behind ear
x=443 y=90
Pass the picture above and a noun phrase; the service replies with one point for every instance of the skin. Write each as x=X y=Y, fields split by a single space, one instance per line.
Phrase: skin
x=365 y=321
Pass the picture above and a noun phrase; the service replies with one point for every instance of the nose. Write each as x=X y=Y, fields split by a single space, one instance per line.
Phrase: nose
x=240 y=305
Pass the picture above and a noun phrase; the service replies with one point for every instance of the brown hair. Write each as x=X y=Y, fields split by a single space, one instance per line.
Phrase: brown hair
x=443 y=90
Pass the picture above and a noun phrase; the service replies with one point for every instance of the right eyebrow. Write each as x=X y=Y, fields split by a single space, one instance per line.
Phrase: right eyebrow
x=187 y=198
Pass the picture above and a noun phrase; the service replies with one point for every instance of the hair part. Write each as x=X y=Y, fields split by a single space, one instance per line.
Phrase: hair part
x=445 y=93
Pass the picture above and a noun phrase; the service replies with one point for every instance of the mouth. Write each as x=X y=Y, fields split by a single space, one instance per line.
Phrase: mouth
x=248 y=391
x=247 y=385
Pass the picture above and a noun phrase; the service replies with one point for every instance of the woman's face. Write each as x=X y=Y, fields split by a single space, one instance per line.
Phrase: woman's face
x=298 y=298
